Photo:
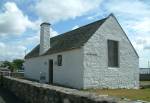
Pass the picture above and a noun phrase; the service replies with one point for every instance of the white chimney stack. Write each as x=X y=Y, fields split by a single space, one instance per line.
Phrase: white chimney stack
x=44 y=37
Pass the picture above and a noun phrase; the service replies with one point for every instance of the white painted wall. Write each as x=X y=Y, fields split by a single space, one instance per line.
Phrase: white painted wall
x=97 y=74
x=44 y=38
x=69 y=74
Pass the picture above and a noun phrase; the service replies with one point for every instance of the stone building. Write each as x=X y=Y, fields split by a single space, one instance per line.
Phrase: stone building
x=97 y=55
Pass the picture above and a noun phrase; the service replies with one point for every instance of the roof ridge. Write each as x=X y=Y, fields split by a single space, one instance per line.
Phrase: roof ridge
x=71 y=39
x=81 y=27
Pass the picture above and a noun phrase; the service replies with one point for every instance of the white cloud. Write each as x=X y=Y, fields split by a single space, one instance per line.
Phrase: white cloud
x=13 y=21
x=97 y=15
x=142 y=25
x=10 y=52
x=29 y=41
x=143 y=41
x=142 y=45
x=53 y=32
x=137 y=8
x=57 y=10
x=134 y=15
x=75 y=27
x=34 y=40
x=2 y=45
x=16 y=49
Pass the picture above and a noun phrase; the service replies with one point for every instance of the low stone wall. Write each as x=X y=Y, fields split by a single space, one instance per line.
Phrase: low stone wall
x=33 y=92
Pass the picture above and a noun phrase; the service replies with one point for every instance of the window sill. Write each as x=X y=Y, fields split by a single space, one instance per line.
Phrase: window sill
x=113 y=68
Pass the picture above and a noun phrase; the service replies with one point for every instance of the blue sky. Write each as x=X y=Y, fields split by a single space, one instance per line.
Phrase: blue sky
x=20 y=20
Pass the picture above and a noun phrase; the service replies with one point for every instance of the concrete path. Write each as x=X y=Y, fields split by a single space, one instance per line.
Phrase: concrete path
x=8 y=97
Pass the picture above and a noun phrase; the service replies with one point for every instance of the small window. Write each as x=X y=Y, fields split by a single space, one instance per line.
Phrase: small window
x=59 y=60
x=113 y=53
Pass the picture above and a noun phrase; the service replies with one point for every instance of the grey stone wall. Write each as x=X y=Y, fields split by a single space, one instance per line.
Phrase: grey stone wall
x=97 y=74
x=32 y=92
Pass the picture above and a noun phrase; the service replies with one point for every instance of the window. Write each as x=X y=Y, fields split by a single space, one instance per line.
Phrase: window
x=59 y=60
x=112 y=53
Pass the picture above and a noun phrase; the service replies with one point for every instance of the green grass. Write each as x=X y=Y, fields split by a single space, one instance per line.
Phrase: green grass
x=141 y=94
x=145 y=82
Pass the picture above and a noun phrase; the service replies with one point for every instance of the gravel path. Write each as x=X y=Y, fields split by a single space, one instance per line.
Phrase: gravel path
x=8 y=97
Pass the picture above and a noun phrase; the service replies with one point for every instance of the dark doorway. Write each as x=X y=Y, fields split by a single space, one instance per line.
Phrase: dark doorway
x=51 y=71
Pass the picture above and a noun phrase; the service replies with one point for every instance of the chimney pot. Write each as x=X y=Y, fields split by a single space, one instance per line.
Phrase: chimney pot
x=45 y=23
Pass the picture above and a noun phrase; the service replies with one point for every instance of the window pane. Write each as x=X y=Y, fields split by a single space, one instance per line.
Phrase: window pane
x=112 y=53
x=59 y=60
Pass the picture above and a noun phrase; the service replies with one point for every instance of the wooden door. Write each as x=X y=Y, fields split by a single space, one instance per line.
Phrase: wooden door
x=51 y=71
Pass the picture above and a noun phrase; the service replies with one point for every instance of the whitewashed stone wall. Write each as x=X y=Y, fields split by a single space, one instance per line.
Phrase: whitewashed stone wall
x=87 y=67
x=69 y=74
x=97 y=74
x=44 y=37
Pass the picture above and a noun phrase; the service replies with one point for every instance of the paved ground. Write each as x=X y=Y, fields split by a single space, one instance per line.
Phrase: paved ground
x=8 y=97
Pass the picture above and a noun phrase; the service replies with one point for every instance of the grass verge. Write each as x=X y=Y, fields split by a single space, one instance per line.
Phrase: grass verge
x=141 y=94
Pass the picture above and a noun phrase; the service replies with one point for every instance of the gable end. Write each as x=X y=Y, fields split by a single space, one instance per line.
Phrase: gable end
x=125 y=34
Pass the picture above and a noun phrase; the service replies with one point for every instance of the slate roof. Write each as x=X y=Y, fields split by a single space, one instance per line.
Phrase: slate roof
x=69 y=40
